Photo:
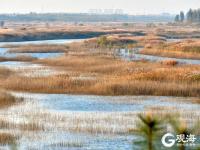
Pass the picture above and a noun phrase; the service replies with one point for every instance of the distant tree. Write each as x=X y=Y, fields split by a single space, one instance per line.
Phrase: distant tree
x=182 y=16
x=2 y=24
x=195 y=16
x=190 y=15
x=198 y=15
x=177 y=18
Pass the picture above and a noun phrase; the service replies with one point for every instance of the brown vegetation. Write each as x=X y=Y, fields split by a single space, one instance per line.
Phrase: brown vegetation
x=42 y=48
x=59 y=31
x=91 y=67
x=7 y=139
x=18 y=58
x=185 y=49
x=4 y=72
x=7 y=100
x=169 y=62
x=109 y=76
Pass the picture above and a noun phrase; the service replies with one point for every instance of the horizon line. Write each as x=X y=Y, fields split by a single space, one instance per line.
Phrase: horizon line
x=129 y=14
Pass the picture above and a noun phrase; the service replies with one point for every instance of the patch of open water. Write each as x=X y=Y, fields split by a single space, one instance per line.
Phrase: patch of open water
x=63 y=102
x=4 y=53
x=135 y=55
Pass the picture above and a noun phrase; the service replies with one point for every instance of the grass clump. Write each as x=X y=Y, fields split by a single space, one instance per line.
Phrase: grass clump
x=7 y=139
x=7 y=100
x=169 y=62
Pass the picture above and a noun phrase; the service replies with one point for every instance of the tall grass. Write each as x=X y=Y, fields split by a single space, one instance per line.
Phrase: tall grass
x=101 y=87
x=109 y=76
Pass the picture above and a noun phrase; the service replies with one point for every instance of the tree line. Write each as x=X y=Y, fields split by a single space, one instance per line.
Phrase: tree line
x=84 y=17
x=193 y=15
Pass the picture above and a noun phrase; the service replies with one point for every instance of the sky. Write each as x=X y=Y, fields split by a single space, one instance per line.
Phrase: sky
x=75 y=6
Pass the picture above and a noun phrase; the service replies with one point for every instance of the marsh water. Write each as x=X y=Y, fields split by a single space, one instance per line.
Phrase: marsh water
x=30 y=69
x=134 y=54
x=4 y=51
x=87 y=122
x=58 y=41
x=84 y=122
x=88 y=103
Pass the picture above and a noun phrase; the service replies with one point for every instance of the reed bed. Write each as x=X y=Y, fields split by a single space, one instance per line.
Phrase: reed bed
x=41 y=48
x=109 y=76
x=23 y=126
x=95 y=123
x=104 y=87
x=23 y=58
x=39 y=119
x=188 y=49
x=5 y=72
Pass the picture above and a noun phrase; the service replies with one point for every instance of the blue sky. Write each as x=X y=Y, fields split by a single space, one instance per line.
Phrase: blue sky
x=129 y=6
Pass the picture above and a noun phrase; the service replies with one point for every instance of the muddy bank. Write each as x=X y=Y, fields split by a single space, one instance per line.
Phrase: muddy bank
x=27 y=36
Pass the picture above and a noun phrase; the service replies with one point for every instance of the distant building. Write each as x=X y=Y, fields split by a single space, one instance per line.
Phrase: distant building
x=106 y=11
